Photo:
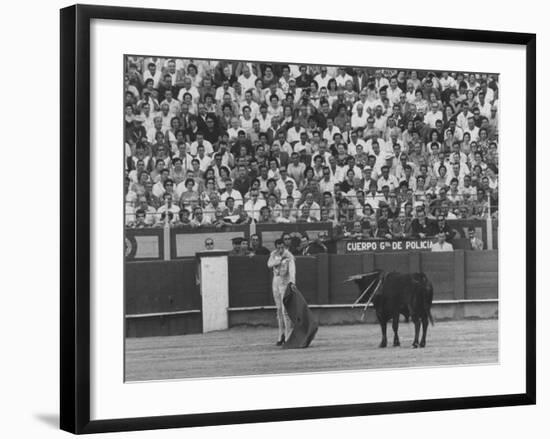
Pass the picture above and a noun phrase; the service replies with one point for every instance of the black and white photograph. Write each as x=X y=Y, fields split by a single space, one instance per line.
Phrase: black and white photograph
x=275 y=219
x=285 y=218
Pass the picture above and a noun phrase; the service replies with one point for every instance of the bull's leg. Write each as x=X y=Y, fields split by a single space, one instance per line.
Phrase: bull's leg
x=383 y=325
x=395 y=327
x=416 y=321
x=424 y=330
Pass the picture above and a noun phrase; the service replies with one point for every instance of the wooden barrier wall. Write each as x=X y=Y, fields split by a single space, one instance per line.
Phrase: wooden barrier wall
x=457 y=275
x=163 y=298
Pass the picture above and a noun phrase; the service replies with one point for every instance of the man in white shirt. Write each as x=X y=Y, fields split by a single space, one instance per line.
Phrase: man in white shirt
x=165 y=116
x=323 y=152
x=462 y=118
x=222 y=90
x=379 y=80
x=150 y=211
x=330 y=131
x=372 y=197
x=208 y=148
x=158 y=188
x=484 y=105
x=361 y=102
x=379 y=119
x=184 y=156
x=447 y=82
x=254 y=107
x=293 y=133
x=199 y=218
x=247 y=79
x=314 y=208
x=410 y=95
x=264 y=118
x=174 y=106
x=352 y=166
x=472 y=130
x=342 y=77
x=230 y=192
x=326 y=184
x=188 y=87
x=386 y=179
x=322 y=78
x=382 y=146
x=296 y=168
x=168 y=206
x=433 y=115
x=393 y=91
x=354 y=142
x=204 y=160
x=441 y=245
x=359 y=118
x=152 y=73
x=253 y=206
x=457 y=171
x=170 y=73
x=156 y=128
x=488 y=92
x=288 y=188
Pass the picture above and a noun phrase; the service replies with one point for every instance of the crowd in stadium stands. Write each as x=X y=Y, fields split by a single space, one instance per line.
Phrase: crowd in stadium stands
x=380 y=152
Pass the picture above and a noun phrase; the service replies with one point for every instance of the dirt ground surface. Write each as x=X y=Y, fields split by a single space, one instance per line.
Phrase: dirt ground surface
x=252 y=351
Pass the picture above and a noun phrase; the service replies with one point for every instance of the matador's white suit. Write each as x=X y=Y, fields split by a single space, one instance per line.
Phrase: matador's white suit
x=284 y=272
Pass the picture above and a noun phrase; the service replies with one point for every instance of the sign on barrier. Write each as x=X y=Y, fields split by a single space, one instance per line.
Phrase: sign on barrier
x=386 y=245
x=143 y=244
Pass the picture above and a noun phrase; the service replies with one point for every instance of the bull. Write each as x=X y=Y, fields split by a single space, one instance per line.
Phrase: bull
x=394 y=294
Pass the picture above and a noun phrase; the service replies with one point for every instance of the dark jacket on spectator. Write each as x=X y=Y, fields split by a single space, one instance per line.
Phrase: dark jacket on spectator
x=427 y=227
x=398 y=229
x=445 y=228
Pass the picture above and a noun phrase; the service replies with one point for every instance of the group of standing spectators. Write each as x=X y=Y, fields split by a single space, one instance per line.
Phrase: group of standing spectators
x=387 y=152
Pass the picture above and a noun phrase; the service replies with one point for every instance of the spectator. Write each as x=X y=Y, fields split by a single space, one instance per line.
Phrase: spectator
x=442 y=245
x=236 y=244
x=421 y=227
x=256 y=247
x=254 y=205
x=401 y=228
x=442 y=226
x=209 y=244
x=199 y=219
x=310 y=142
x=474 y=243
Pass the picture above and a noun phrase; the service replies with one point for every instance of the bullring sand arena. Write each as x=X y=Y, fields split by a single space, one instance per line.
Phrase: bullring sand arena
x=247 y=350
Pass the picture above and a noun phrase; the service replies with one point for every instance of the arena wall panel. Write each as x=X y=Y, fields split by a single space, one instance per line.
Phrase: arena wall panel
x=249 y=281
x=306 y=277
x=392 y=261
x=440 y=269
x=481 y=274
x=163 y=325
x=341 y=267
x=161 y=286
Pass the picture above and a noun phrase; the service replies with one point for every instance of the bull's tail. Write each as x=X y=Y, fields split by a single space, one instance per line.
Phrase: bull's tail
x=430 y=296
x=430 y=317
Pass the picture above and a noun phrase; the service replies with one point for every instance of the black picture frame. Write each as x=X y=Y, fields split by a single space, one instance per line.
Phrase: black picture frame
x=75 y=217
